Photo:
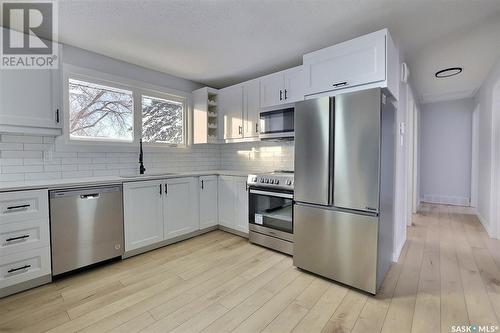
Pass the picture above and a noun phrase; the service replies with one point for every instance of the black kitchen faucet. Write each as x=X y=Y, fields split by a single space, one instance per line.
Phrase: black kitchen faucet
x=142 y=169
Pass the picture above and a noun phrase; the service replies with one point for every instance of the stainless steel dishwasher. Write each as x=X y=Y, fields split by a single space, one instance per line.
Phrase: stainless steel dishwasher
x=86 y=226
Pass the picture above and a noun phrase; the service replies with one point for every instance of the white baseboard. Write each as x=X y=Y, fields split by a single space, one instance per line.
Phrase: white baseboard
x=445 y=200
x=397 y=251
x=485 y=223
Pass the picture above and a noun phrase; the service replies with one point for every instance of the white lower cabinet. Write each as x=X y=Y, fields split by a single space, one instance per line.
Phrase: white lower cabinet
x=180 y=207
x=241 y=204
x=209 y=212
x=24 y=240
x=159 y=210
x=143 y=213
x=233 y=203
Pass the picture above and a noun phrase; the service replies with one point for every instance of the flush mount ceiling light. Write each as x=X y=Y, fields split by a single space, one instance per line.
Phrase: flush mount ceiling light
x=447 y=72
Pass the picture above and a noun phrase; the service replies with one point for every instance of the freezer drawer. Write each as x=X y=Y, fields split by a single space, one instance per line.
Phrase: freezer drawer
x=337 y=245
x=86 y=227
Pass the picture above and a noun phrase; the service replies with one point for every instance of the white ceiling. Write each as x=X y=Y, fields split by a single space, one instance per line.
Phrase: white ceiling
x=220 y=42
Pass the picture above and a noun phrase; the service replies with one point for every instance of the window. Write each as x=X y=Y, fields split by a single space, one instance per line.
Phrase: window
x=163 y=120
x=99 y=112
x=103 y=110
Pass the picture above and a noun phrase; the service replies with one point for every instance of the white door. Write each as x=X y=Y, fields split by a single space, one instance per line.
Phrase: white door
x=226 y=201
x=352 y=63
x=143 y=215
x=272 y=90
x=209 y=216
x=180 y=207
x=231 y=108
x=241 y=204
x=251 y=94
x=294 y=85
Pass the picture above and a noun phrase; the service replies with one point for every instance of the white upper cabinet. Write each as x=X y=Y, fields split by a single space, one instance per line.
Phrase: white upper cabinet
x=251 y=98
x=143 y=213
x=231 y=108
x=205 y=115
x=180 y=207
x=30 y=100
x=271 y=89
x=294 y=85
x=209 y=216
x=360 y=61
x=282 y=87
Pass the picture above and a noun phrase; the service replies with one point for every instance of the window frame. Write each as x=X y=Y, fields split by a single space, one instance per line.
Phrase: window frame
x=138 y=88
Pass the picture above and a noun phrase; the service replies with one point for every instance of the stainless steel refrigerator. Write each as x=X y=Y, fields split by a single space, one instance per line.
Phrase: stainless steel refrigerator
x=344 y=188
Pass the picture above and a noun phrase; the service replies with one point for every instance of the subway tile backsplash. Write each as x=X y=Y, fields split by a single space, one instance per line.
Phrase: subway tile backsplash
x=37 y=158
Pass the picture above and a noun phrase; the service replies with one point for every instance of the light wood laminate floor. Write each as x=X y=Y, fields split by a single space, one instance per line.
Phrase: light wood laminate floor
x=448 y=274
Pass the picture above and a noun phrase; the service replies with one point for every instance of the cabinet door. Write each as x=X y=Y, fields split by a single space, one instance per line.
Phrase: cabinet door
x=241 y=204
x=251 y=94
x=231 y=107
x=226 y=201
x=272 y=90
x=209 y=216
x=27 y=98
x=352 y=63
x=143 y=215
x=180 y=207
x=294 y=85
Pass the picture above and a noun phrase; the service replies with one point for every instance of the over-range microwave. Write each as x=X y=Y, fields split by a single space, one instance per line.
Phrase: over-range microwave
x=277 y=124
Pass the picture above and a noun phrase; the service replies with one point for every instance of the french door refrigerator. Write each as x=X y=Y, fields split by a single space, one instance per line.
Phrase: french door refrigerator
x=343 y=197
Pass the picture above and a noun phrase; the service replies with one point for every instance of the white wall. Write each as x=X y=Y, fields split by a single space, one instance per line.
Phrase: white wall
x=446 y=155
x=488 y=101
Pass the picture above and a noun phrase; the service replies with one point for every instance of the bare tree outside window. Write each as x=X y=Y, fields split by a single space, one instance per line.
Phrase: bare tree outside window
x=100 y=112
x=162 y=120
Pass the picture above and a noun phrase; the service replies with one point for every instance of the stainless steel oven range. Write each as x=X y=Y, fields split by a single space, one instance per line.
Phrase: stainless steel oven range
x=270 y=209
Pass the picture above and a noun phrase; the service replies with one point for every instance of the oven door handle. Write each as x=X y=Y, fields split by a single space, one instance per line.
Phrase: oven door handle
x=272 y=194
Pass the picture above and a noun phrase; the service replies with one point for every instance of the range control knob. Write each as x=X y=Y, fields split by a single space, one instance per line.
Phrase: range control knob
x=254 y=179
x=262 y=180
x=276 y=181
x=289 y=182
x=266 y=180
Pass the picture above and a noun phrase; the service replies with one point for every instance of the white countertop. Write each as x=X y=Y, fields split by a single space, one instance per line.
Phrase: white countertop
x=92 y=181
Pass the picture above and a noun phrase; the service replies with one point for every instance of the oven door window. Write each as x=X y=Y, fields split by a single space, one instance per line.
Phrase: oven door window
x=271 y=212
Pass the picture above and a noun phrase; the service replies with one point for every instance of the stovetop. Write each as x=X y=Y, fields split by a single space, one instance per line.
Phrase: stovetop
x=279 y=179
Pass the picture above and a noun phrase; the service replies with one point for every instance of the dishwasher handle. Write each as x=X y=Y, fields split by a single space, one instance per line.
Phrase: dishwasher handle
x=85 y=193
x=90 y=196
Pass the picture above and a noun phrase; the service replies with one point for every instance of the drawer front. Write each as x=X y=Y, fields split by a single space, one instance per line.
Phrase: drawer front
x=23 y=236
x=24 y=266
x=23 y=206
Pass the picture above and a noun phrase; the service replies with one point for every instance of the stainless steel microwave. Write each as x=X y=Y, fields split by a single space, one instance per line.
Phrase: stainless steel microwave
x=277 y=125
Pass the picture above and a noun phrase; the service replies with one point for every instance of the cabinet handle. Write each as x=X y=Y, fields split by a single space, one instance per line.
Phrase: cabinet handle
x=281 y=95
x=285 y=94
x=161 y=190
x=240 y=130
x=340 y=84
x=202 y=184
x=16 y=238
x=18 y=269
x=15 y=208
x=57 y=116
x=256 y=128
x=166 y=189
